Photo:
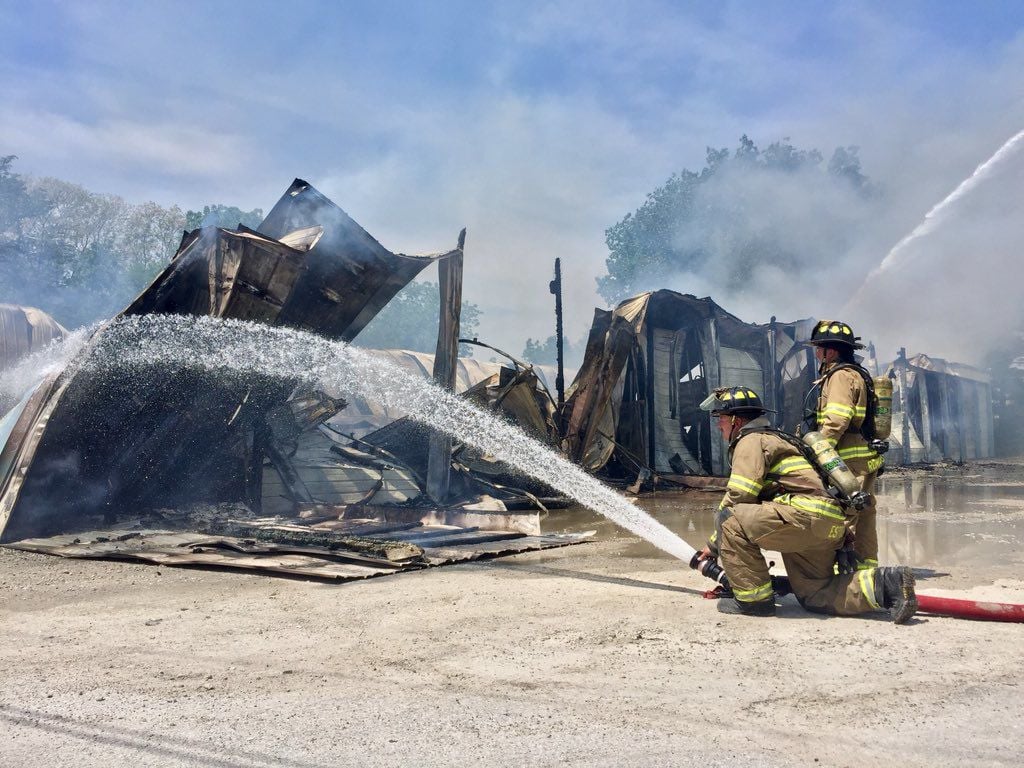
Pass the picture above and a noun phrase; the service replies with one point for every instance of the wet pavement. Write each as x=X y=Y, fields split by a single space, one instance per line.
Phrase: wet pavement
x=939 y=519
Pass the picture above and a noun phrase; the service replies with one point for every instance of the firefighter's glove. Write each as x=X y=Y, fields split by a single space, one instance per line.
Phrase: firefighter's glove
x=846 y=558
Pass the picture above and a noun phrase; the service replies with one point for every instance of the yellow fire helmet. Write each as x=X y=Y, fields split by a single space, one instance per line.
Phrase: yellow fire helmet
x=834 y=332
x=734 y=401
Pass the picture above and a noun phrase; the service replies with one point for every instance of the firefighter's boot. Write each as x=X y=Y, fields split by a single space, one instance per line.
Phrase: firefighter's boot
x=894 y=589
x=753 y=608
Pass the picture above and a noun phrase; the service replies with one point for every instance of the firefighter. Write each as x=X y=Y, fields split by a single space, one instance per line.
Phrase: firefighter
x=837 y=406
x=776 y=500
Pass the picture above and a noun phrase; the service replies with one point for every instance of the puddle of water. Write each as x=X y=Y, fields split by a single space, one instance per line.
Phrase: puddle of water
x=689 y=514
x=929 y=520
x=944 y=520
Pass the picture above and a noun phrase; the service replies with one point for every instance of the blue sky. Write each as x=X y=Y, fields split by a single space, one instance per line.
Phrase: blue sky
x=534 y=124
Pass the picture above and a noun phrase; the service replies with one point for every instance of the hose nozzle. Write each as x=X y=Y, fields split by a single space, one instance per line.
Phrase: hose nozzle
x=709 y=568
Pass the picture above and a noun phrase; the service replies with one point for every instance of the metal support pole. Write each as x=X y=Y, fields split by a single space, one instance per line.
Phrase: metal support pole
x=556 y=288
x=901 y=363
x=771 y=373
x=446 y=366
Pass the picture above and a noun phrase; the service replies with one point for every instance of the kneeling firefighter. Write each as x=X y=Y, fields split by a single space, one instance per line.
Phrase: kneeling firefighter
x=776 y=500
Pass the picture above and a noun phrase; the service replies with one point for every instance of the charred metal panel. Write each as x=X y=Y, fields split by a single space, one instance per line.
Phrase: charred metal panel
x=436 y=543
x=349 y=276
x=446 y=368
x=221 y=273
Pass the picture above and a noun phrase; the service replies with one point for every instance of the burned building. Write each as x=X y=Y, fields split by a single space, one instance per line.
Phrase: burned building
x=634 y=404
x=942 y=411
x=24 y=330
x=153 y=465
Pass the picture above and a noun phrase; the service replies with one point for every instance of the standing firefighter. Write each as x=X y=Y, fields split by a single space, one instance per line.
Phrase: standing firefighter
x=776 y=500
x=840 y=406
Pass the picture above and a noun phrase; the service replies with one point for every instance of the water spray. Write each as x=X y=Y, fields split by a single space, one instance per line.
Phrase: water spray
x=177 y=342
x=935 y=216
x=51 y=359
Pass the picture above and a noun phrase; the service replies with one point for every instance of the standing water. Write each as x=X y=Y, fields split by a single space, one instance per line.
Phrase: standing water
x=173 y=342
x=935 y=216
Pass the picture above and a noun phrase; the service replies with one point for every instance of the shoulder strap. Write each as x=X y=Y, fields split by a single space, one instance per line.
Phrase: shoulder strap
x=858 y=368
x=802 y=447
x=867 y=427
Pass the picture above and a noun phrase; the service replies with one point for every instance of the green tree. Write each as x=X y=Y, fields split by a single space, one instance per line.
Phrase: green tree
x=17 y=203
x=410 y=321
x=541 y=352
x=546 y=352
x=744 y=211
x=226 y=216
x=78 y=255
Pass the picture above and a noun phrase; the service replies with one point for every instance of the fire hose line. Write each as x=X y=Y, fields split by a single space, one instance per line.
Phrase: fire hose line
x=959 y=608
x=970 y=609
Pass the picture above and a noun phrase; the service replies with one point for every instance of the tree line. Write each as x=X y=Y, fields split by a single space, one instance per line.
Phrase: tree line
x=747 y=214
x=83 y=256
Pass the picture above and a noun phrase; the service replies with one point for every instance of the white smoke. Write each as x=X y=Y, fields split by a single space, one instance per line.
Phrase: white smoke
x=951 y=287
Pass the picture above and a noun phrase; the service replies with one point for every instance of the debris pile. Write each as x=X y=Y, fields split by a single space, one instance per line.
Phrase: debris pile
x=85 y=452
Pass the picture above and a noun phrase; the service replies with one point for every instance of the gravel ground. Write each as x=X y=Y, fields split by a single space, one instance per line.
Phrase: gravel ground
x=592 y=655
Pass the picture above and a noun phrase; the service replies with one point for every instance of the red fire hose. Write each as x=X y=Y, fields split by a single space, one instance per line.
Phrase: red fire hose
x=970 y=609
x=939 y=606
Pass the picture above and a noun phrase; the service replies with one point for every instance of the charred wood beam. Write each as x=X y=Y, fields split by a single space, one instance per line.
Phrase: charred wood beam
x=289 y=475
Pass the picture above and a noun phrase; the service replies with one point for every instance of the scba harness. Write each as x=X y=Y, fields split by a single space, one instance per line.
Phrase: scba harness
x=868 y=429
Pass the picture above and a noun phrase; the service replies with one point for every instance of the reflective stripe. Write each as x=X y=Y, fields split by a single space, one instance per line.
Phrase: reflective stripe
x=857 y=452
x=846 y=411
x=864 y=565
x=875 y=464
x=790 y=465
x=764 y=592
x=860 y=411
x=866 y=579
x=814 y=505
x=745 y=484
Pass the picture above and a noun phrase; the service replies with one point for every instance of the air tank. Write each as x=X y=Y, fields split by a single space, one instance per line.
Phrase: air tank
x=883 y=412
x=833 y=465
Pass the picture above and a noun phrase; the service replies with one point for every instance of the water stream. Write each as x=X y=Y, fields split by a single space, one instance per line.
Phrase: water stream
x=174 y=343
x=52 y=358
x=938 y=213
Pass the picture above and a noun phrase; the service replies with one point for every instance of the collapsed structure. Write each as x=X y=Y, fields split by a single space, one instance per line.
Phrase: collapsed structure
x=942 y=411
x=651 y=361
x=188 y=456
x=633 y=409
x=258 y=472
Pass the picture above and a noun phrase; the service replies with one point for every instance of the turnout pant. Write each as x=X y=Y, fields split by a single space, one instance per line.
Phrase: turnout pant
x=865 y=528
x=808 y=544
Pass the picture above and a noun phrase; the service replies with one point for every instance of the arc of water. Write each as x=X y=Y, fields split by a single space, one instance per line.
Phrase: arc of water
x=174 y=341
x=934 y=217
